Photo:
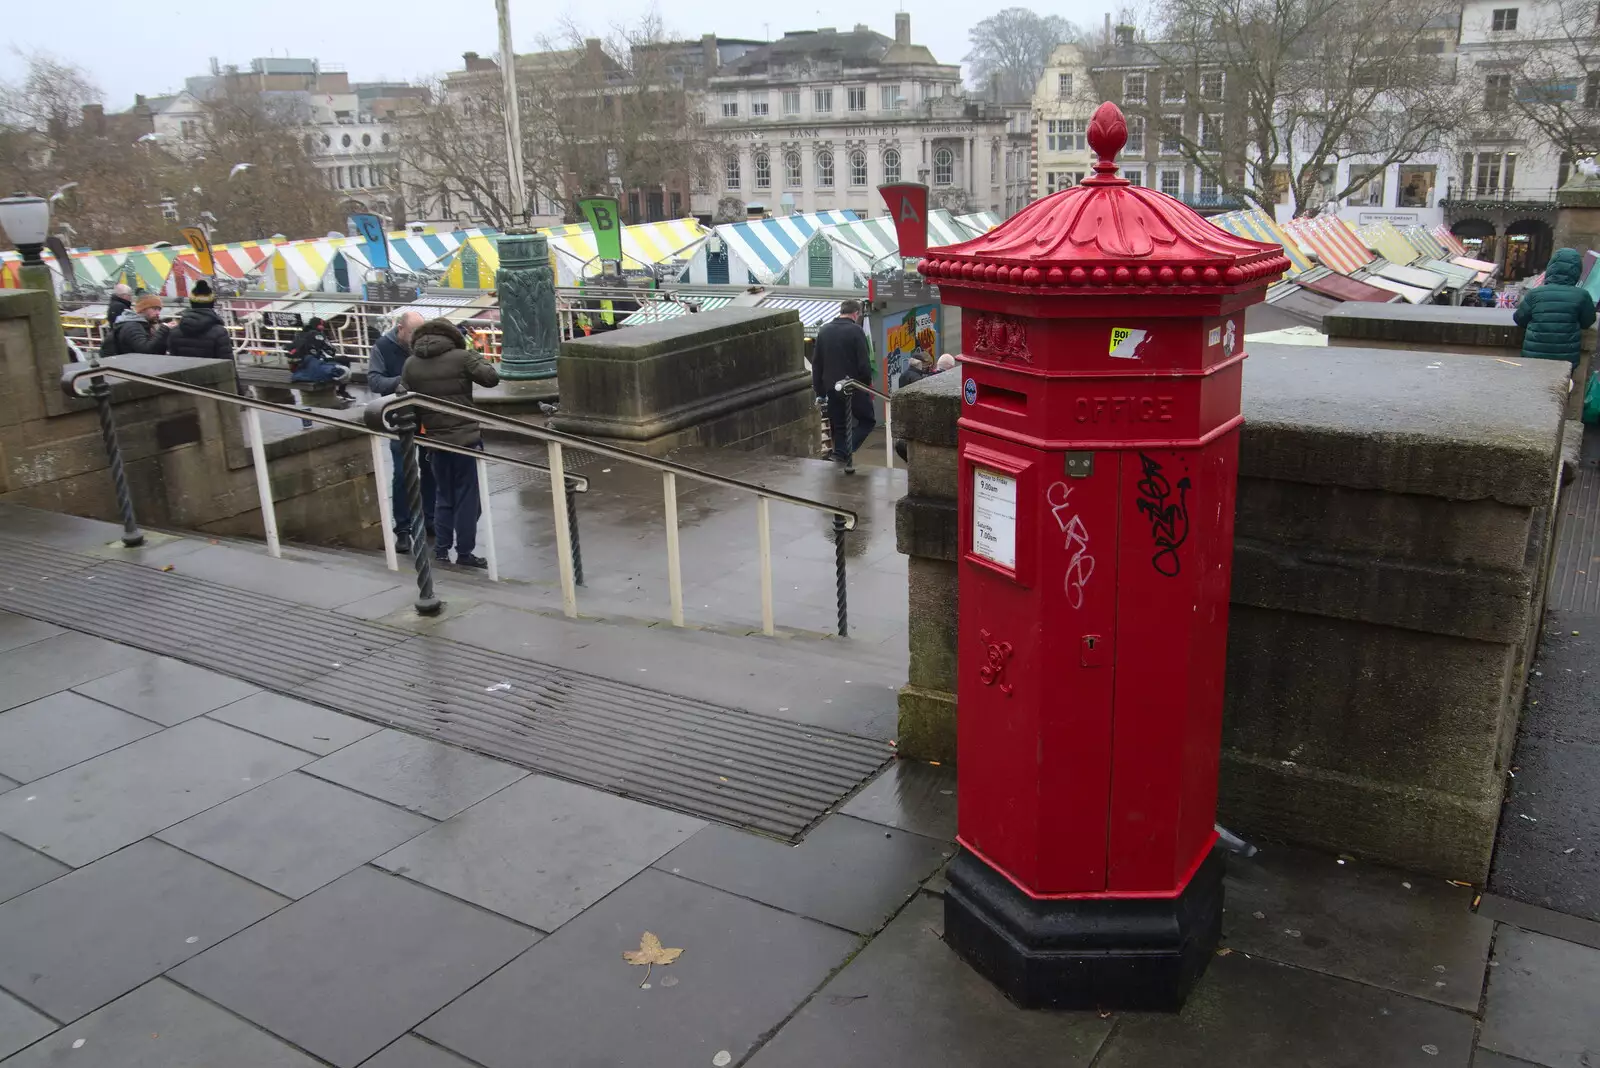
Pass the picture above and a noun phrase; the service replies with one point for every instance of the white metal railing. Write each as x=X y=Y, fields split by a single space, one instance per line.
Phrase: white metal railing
x=848 y=386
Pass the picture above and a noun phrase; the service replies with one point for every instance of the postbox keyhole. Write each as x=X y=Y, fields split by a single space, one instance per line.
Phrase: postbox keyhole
x=1093 y=650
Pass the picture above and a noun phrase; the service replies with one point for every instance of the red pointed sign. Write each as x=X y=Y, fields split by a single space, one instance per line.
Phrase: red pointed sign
x=908 y=206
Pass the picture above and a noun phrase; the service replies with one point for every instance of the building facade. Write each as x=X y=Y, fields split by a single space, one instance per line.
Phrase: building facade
x=817 y=120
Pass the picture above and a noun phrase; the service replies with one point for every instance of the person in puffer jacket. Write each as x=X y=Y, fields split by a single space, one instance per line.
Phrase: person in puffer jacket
x=139 y=329
x=200 y=332
x=1557 y=313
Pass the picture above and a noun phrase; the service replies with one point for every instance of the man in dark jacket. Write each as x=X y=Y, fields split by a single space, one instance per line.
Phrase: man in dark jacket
x=384 y=367
x=139 y=329
x=1557 y=313
x=442 y=366
x=840 y=352
x=121 y=300
x=200 y=331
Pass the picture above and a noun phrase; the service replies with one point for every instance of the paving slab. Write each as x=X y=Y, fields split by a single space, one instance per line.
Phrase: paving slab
x=91 y=809
x=846 y=872
x=22 y=869
x=542 y=850
x=1484 y=1058
x=295 y=833
x=1253 y=1011
x=1402 y=932
x=92 y=935
x=743 y=969
x=167 y=691
x=304 y=726
x=349 y=969
x=428 y=777
x=1544 y=1000
x=61 y=730
x=59 y=663
x=7 y=784
x=17 y=631
x=292 y=580
x=20 y=1026
x=413 y=1052
x=1544 y=921
x=906 y=999
x=57 y=528
x=912 y=795
x=161 y=1025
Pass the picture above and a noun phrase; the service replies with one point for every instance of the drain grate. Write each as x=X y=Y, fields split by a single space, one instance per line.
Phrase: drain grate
x=1575 y=578
x=719 y=763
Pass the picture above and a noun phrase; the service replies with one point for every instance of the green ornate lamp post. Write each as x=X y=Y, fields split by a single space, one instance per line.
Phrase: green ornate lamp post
x=530 y=335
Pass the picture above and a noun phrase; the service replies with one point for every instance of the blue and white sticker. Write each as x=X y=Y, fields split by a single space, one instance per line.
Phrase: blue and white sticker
x=971 y=391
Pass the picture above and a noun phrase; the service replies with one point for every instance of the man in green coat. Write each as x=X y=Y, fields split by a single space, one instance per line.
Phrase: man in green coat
x=1557 y=313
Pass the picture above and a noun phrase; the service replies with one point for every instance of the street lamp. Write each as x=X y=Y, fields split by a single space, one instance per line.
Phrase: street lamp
x=26 y=220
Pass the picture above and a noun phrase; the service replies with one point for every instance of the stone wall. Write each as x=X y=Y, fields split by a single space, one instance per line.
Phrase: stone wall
x=187 y=462
x=732 y=377
x=1393 y=541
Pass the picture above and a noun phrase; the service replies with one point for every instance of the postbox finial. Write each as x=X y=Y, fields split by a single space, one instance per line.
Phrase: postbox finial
x=1108 y=132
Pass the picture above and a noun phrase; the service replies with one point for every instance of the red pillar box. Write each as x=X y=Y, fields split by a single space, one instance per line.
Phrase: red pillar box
x=1103 y=329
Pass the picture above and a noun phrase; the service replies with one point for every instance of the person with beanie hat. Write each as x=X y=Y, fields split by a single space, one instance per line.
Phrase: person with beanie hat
x=139 y=329
x=200 y=331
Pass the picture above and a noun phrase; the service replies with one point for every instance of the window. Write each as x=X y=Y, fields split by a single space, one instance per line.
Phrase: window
x=1211 y=85
x=326 y=141
x=730 y=168
x=386 y=139
x=345 y=140
x=1055 y=181
x=791 y=101
x=1172 y=89
x=763 y=170
x=169 y=210
x=822 y=101
x=994 y=165
x=366 y=140
x=730 y=106
x=824 y=169
x=1171 y=135
x=676 y=200
x=1066 y=135
x=1504 y=18
x=1134 y=176
x=791 y=170
x=858 y=168
x=891 y=165
x=889 y=96
x=758 y=105
x=1416 y=186
x=1135 y=134
x=855 y=99
x=1591 y=90
x=1171 y=182
x=1063 y=85
x=944 y=167
x=1133 y=88
x=1211 y=133
x=1496 y=92
x=1210 y=192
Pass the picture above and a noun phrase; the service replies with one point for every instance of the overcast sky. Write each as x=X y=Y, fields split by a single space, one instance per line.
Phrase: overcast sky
x=130 y=49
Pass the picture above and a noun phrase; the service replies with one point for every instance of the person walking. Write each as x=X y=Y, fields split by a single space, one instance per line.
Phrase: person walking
x=121 y=301
x=441 y=365
x=384 y=368
x=1555 y=316
x=840 y=352
x=200 y=330
x=139 y=329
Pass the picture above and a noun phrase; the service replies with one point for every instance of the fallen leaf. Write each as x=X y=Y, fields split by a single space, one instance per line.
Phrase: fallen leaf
x=1457 y=882
x=650 y=953
x=844 y=999
x=1224 y=951
x=167 y=568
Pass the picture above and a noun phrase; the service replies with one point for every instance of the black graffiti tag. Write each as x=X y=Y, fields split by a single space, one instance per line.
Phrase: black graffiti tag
x=1169 y=523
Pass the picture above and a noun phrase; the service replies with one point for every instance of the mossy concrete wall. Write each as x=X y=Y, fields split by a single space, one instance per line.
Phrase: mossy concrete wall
x=731 y=377
x=186 y=458
x=1395 y=513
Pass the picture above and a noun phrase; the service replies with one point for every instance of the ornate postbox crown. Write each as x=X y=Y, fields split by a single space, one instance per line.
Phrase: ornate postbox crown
x=1104 y=237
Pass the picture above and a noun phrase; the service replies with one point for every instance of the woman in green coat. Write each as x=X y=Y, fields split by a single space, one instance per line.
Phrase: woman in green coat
x=1556 y=313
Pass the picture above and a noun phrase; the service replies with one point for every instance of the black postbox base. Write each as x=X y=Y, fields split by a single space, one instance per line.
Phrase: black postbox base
x=1124 y=954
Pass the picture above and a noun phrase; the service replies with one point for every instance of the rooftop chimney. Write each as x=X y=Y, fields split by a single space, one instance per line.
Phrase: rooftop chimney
x=862 y=27
x=468 y=59
x=1124 y=36
x=708 y=51
x=902 y=27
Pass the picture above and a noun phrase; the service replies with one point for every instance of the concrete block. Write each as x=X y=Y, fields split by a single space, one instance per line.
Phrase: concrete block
x=926 y=527
x=931 y=591
x=927 y=725
x=926 y=412
x=932 y=471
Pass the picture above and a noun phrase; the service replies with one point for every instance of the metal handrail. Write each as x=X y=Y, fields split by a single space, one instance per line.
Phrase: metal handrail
x=73 y=372
x=848 y=386
x=375 y=415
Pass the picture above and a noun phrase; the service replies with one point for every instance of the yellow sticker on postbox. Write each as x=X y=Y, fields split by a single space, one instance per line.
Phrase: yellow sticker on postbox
x=1125 y=342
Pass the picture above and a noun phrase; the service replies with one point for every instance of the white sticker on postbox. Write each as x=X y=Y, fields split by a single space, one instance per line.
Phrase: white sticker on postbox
x=994 y=517
x=1125 y=342
x=1215 y=337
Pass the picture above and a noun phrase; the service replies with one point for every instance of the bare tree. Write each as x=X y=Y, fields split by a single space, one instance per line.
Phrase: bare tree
x=1009 y=50
x=1546 y=76
x=1295 y=87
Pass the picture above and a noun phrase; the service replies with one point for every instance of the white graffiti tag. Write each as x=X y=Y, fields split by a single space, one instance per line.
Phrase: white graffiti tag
x=1081 y=566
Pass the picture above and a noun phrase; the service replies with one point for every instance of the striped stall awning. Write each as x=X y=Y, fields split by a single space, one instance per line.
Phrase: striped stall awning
x=1422 y=239
x=301 y=264
x=814 y=313
x=457 y=309
x=484 y=250
x=1456 y=276
x=1255 y=225
x=1412 y=294
x=658 y=311
x=1452 y=244
x=644 y=246
x=872 y=244
x=768 y=246
x=980 y=222
x=1389 y=243
x=233 y=261
x=1333 y=243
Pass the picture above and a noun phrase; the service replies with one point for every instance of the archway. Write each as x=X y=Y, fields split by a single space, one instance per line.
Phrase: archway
x=1528 y=248
x=1478 y=236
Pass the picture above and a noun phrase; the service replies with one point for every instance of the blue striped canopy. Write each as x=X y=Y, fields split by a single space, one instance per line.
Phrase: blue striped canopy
x=768 y=246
